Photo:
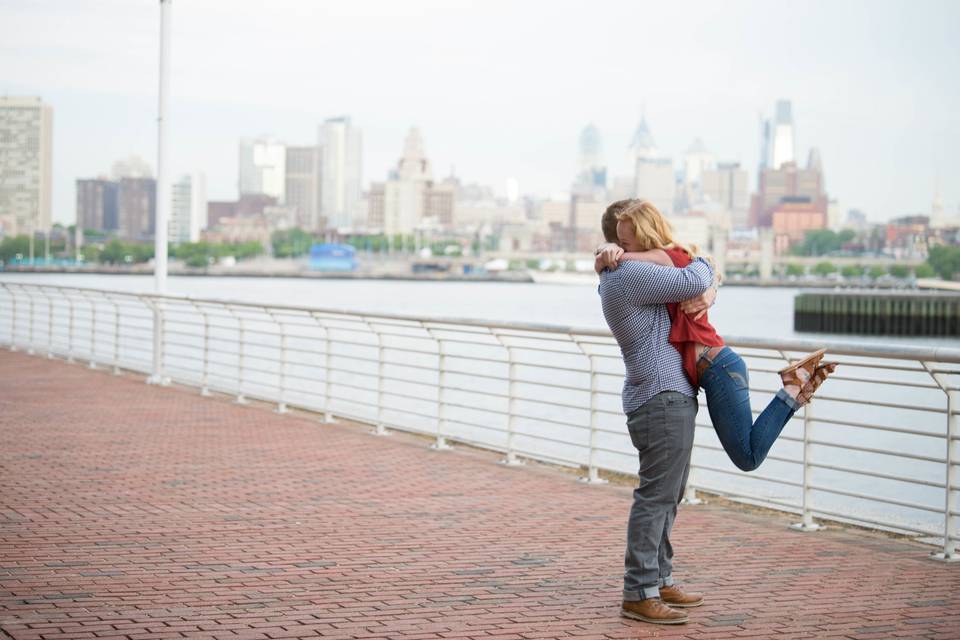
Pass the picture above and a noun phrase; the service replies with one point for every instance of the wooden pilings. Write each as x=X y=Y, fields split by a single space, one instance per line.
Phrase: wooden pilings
x=878 y=313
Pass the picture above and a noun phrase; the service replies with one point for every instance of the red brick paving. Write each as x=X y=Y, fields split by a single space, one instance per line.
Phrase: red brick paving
x=133 y=511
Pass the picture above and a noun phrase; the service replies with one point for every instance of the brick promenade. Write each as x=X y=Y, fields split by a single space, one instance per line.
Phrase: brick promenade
x=133 y=511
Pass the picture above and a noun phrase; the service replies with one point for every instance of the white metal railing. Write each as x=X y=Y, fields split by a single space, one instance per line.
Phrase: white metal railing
x=879 y=447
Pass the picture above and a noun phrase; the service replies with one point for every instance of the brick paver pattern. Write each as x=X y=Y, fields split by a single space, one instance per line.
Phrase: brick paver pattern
x=129 y=510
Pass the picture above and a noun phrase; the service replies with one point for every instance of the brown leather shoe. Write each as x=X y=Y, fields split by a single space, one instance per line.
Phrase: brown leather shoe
x=652 y=610
x=677 y=597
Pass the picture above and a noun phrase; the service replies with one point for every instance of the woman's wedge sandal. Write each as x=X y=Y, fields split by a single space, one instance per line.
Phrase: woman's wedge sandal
x=800 y=372
x=821 y=373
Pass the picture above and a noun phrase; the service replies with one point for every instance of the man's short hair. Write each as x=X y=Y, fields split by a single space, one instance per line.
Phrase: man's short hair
x=608 y=223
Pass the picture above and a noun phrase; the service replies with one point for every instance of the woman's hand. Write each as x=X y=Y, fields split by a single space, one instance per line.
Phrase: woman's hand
x=608 y=257
x=697 y=307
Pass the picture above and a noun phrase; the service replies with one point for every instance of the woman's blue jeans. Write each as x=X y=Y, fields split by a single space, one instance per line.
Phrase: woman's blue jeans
x=726 y=383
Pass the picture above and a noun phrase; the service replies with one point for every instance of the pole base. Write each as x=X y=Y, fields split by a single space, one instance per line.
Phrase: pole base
x=241 y=399
x=205 y=392
x=803 y=526
x=940 y=556
x=440 y=444
x=328 y=418
x=511 y=461
x=281 y=408
x=593 y=477
x=379 y=430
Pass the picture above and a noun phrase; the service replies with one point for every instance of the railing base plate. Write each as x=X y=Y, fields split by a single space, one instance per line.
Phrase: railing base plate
x=511 y=462
x=379 y=430
x=940 y=556
x=588 y=480
x=803 y=526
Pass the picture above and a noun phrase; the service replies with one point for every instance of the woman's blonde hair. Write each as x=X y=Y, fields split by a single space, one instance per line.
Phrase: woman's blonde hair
x=653 y=231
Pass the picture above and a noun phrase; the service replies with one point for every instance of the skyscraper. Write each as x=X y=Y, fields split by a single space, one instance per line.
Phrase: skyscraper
x=340 y=172
x=782 y=140
x=26 y=151
x=97 y=204
x=655 y=181
x=263 y=167
x=137 y=209
x=189 y=208
x=591 y=171
x=303 y=185
x=727 y=186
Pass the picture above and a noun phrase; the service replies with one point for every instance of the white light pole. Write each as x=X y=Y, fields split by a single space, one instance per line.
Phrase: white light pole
x=162 y=197
x=163 y=181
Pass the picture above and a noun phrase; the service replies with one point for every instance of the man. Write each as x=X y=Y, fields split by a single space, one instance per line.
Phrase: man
x=661 y=407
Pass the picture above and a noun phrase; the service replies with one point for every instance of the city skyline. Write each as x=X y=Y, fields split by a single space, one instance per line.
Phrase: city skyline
x=885 y=145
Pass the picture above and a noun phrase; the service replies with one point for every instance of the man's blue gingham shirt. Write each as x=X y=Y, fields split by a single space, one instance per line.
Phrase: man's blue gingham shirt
x=634 y=297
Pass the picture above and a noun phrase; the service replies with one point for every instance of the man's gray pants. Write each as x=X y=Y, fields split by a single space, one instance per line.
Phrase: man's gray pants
x=662 y=431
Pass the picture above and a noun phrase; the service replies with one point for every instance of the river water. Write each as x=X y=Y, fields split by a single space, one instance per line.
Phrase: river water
x=739 y=311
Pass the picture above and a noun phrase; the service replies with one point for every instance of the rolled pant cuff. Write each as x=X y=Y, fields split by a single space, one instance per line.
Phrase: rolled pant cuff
x=666 y=581
x=787 y=400
x=642 y=594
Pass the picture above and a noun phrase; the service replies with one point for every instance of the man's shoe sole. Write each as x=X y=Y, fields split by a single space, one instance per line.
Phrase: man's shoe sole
x=636 y=616
x=677 y=605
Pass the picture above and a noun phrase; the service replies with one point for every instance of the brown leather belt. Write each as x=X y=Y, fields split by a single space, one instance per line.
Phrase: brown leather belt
x=704 y=362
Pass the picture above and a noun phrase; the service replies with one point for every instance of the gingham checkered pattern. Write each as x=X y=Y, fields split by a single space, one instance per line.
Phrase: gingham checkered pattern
x=633 y=300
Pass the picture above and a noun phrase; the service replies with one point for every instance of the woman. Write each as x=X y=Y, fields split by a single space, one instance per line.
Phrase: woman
x=644 y=234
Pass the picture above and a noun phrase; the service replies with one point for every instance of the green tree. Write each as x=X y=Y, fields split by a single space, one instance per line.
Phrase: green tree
x=876 y=271
x=824 y=268
x=945 y=261
x=795 y=270
x=819 y=242
x=290 y=243
x=899 y=271
x=10 y=247
x=852 y=271
x=924 y=271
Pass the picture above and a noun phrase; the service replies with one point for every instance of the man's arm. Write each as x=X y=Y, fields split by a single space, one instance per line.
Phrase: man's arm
x=645 y=283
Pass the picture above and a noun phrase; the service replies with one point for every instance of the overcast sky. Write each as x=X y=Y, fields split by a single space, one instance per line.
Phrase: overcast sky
x=502 y=89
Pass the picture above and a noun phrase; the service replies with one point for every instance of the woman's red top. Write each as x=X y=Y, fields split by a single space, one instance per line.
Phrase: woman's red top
x=686 y=332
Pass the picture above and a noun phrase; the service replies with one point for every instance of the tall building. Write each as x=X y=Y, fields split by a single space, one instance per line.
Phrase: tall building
x=26 y=152
x=303 y=185
x=655 y=182
x=340 y=175
x=938 y=219
x=696 y=160
x=789 y=182
x=263 y=167
x=189 y=208
x=591 y=171
x=137 y=209
x=97 y=205
x=781 y=137
x=727 y=185
x=410 y=199
x=641 y=145
x=132 y=167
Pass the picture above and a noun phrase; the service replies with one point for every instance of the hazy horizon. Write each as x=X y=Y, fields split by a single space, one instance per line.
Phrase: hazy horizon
x=502 y=90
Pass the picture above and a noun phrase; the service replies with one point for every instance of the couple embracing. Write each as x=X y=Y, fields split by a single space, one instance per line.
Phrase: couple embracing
x=655 y=293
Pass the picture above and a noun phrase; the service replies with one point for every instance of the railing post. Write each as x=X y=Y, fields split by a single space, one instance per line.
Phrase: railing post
x=205 y=380
x=327 y=372
x=440 y=443
x=70 y=330
x=241 y=399
x=593 y=471
x=93 y=332
x=951 y=474
x=379 y=429
x=49 y=324
x=281 y=401
x=13 y=319
x=807 y=523
x=30 y=348
x=157 y=377
x=116 y=336
x=511 y=458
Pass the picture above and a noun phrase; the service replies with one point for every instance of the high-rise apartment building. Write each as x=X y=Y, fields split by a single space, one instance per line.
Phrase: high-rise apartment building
x=655 y=182
x=263 y=167
x=137 y=209
x=188 y=211
x=591 y=170
x=727 y=185
x=97 y=205
x=340 y=175
x=783 y=140
x=26 y=152
x=303 y=185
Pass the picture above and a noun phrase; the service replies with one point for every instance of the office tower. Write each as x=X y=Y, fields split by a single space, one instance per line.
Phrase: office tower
x=726 y=185
x=136 y=209
x=783 y=142
x=641 y=145
x=696 y=160
x=655 y=181
x=591 y=171
x=262 y=167
x=189 y=208
x=340 y=172
x=97 y=206
x=26 y=152
x=938 y=218
x=303 y=185
x=789 y=183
